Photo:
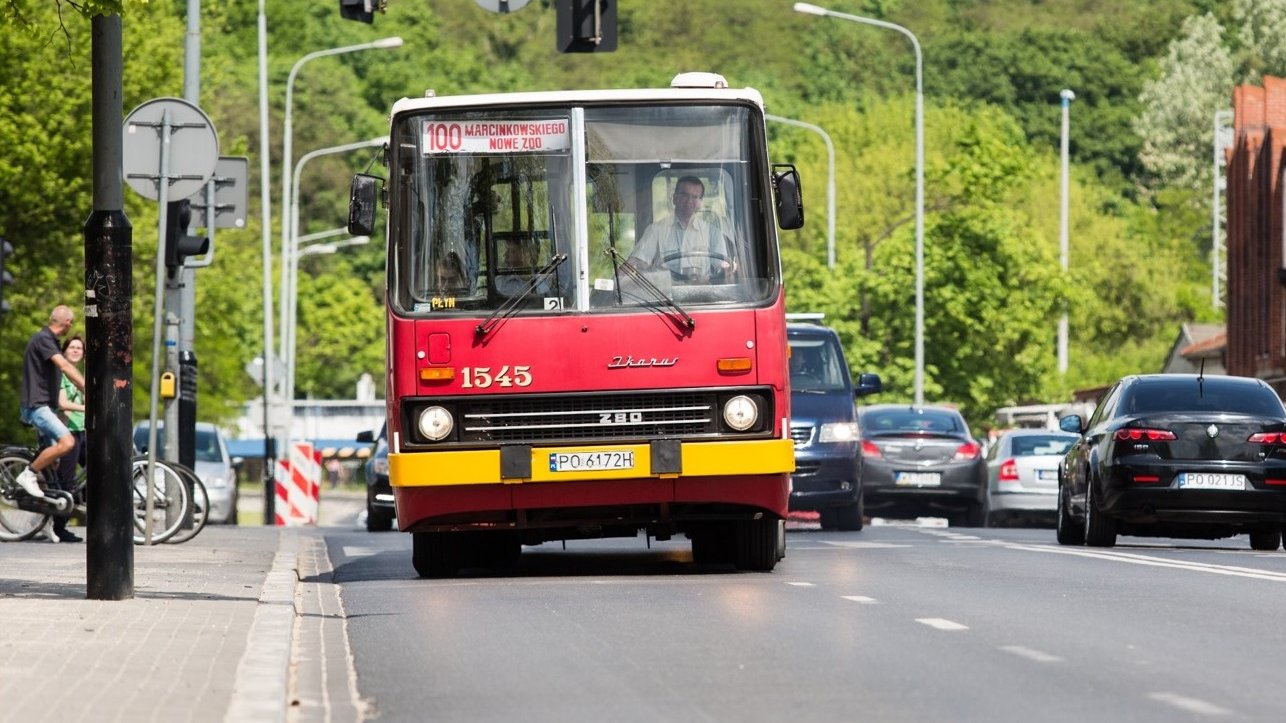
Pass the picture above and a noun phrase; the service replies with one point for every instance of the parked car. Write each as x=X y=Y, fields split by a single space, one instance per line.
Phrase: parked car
x=1176 y=455
x=823 y=424
x=921 y=461
x=214 y=467
x=379 y=494
x=1022 y=474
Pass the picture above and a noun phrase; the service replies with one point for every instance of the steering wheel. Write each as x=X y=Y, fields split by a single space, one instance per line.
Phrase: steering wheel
x=719 y=274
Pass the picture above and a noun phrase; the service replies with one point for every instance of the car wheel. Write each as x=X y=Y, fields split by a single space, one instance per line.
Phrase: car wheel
x=378 y=519
x=849 y=517
x=1265 y=539
x=1100 y=529
x=976 y=515
x=1066 y=528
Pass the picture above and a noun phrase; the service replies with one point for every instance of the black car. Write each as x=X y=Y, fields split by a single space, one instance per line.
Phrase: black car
x=921 y=461
x=823 y=424
x=1176 y=455
x=379 y=494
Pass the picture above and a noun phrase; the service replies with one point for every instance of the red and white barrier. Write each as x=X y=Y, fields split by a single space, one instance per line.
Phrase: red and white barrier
x=298 y=486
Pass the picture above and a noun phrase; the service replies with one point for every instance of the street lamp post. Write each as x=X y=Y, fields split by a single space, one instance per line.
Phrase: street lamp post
x=287 y=160
x=810 y=9
x=830 y=181
x=1066 y=96
x=1218 y=183
x=290 y=266
x=269 y=456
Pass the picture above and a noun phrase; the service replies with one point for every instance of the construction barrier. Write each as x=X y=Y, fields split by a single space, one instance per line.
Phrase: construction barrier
x=298 y=486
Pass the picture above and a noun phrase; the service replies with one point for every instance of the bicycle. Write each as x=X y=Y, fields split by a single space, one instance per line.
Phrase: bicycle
x=173 y=490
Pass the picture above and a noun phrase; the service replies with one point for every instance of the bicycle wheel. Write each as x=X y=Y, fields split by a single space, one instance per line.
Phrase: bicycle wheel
x=16 y=523
x=200 y=507
x=170 y=500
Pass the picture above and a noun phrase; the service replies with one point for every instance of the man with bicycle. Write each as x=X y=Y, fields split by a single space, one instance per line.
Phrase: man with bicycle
x=42 y=370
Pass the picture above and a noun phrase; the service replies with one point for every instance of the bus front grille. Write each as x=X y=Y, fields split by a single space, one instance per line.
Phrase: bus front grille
x=539 y=419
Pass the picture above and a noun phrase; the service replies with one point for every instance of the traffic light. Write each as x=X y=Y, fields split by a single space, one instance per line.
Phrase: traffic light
x=360 y=10
x=178 y=244
x=6 y=278
x=586 y=26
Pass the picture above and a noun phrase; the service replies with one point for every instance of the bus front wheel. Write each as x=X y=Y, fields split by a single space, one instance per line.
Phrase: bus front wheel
x=757 y=543
x=435 y=554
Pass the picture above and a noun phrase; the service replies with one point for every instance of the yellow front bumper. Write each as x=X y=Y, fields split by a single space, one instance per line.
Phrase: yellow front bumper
x=699 y=459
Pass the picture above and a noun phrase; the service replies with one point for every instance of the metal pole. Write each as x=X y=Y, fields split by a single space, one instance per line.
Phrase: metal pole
x=265 y=203
x=1217 y=183
x=811 y=9
x=1066 y=96
x=830 y=181
x=109 y=332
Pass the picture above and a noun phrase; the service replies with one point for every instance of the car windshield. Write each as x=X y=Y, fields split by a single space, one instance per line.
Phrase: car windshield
x=815 y=366
x=1212 y=394
x=207 y=443
x=910 y=420
x=1029 y=445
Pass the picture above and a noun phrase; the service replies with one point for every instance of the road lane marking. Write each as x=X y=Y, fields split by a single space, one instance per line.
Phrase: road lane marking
x=860 y=545
x=1028 y=653
x=800 y=584
x=360 y=551
x=1191 y=705
x=860 y=599
x=1148 y=560
x=941 y=624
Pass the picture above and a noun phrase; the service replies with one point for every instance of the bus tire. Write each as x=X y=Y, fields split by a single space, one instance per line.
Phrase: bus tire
x=714 y=543
x=435 y=554
x=757 y=544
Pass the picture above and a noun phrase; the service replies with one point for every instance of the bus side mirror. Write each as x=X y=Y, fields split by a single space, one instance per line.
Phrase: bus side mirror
x=790 y=200
x=868 y=383
x=362 y=195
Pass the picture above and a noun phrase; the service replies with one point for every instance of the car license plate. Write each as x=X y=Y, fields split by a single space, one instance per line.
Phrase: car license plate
x=1212 y=481
x=918 y=479
x=591 y=461
x=1047 y=475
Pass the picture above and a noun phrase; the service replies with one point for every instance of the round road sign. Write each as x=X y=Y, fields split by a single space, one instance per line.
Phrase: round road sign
x=194 y=149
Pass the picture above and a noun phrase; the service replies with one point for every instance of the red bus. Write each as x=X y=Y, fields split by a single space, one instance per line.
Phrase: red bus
x=586 y=321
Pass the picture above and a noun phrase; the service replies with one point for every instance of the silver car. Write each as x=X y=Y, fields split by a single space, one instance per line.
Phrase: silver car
x=1022 y=474
x=214 y=467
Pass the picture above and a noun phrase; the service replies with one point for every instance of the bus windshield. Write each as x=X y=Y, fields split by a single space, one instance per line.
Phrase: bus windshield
x=579 y=209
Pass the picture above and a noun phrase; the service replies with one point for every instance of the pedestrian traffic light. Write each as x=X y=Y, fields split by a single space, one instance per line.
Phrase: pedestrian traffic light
x=360 y=10
x=6 y=278
x=178 y=243
x=586 y=26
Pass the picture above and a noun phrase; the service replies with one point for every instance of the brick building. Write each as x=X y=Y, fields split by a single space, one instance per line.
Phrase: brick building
x=1256 y=303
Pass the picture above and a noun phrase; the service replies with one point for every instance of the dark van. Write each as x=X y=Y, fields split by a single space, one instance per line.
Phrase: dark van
x=823 y=424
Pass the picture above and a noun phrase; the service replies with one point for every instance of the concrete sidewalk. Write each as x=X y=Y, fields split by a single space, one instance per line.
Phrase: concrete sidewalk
x=237 y=624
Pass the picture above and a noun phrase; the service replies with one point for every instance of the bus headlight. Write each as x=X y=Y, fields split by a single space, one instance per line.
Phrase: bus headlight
x=436 y=424
x=740 y=413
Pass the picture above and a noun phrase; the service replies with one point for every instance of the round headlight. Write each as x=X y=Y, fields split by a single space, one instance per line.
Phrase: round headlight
x=436 y=424
x=740 y=413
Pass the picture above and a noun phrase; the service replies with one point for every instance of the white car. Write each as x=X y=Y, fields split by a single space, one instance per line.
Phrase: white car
x=1022 y=474
x=214 y=467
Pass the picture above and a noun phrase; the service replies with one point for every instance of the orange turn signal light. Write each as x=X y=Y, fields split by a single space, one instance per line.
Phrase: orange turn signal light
x=437 y=374
x=735 y=365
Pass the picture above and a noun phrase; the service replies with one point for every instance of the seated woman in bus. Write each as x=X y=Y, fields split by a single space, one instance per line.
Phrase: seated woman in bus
x=449 y=274
x=690 y=247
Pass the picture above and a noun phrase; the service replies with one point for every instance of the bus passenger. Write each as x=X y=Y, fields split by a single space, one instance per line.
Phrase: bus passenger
x=685 y=244
x=449 y=274
x=519 y=262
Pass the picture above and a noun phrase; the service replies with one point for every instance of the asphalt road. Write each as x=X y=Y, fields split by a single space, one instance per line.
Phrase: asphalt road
x=894 y=623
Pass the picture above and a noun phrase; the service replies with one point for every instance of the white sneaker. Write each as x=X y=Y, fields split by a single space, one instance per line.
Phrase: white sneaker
x=28 y=481
x=49 y=532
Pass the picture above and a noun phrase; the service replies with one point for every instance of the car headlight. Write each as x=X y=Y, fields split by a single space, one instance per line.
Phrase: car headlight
x=436 y=423
x=740 y=413
x=838 y=432
x=379 y=466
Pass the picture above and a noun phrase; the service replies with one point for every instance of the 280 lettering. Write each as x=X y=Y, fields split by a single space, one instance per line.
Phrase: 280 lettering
x=482 y=378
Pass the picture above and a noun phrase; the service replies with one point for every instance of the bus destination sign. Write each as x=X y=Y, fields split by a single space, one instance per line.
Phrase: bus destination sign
x=496 y=136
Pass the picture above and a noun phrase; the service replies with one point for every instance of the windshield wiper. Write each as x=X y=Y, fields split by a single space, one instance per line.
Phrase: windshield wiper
x=642 y=280
x=508 y=308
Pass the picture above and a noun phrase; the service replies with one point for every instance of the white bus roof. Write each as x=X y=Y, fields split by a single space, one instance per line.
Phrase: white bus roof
x=578 y=97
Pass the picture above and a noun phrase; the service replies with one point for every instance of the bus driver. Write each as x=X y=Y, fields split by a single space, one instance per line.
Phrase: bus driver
x=692 y=249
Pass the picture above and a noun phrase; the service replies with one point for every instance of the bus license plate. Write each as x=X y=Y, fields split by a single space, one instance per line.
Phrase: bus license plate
x=591 y=461
x=1212 y=481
